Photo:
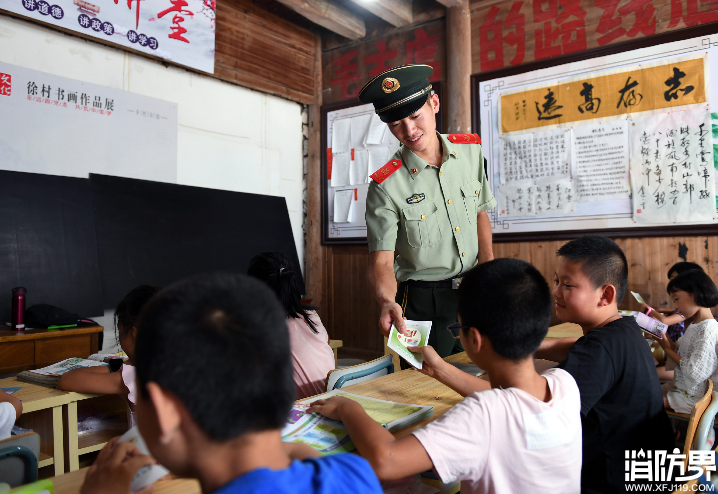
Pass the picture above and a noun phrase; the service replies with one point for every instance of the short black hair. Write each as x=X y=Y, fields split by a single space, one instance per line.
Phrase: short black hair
x=602 y=261
x=219 y=342
x=128 y=310
x=698 y=284
x=509 y=302
x=683 y=267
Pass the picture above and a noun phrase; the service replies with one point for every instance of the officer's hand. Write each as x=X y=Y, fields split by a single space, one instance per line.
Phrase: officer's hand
x=391 y=313
x=432 y=361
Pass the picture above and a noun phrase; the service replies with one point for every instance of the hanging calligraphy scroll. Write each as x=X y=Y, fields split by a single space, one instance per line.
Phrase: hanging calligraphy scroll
x=610 y=94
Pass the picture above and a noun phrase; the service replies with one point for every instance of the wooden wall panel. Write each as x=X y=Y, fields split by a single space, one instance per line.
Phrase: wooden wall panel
x=512 y=32
x=258 y=49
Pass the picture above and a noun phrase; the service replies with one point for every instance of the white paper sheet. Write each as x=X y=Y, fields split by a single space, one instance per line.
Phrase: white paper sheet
x=672 y=167
x=376 y=130
x=516 y=159
x=341 y=135
x=378 y=157
x=547 y=198
x=599 y=161
x=556 y=197
x=359 y=169
x=515 y=200
x=551 y=155
x=343 y=202
x=340 y=169
x=360 y=127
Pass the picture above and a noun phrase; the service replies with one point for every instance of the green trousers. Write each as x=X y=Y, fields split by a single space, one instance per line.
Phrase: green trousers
x=438 y=305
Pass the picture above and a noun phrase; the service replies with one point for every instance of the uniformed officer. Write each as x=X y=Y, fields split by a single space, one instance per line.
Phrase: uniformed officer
x=428 y=204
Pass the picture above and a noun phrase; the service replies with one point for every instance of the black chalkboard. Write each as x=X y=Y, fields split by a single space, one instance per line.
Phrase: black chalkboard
x=159 y=233
x=47 y=243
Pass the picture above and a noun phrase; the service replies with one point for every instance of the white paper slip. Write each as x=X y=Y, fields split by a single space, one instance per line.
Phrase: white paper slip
x=359 y=169
x=342 y=135
x=638 y=297
x=147 y=474
x=360 y=127
x=341 y=163
x=417 y=335
x=378 y=157
x=375 y=133
x=343 y=202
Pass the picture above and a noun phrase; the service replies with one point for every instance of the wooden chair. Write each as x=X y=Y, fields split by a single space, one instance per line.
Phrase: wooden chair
x=696 y=415
x=360 y=373
x=18 y=459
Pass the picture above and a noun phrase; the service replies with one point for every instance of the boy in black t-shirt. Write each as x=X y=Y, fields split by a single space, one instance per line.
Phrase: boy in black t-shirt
x=621 y=399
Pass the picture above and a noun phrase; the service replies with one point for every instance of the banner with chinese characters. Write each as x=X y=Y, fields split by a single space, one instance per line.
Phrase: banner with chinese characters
x=60 y=126
x=659 y=86
x=180 y=31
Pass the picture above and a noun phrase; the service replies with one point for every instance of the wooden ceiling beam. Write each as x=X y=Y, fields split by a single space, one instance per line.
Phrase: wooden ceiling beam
x=398 y=13
x=327 y=14
x=450 y=3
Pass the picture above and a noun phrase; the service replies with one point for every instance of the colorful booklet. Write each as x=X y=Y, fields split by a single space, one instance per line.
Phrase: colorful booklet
x=417 y=335
x=647 y=324
x=325 y=435
x=389 y=414
x=50 y=375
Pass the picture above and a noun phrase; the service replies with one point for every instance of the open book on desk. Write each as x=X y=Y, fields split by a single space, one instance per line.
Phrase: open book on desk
x=390 y=415
x=325 y=435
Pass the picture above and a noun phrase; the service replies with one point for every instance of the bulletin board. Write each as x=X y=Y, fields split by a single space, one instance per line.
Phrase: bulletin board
x=616 y=143
x=355 y=143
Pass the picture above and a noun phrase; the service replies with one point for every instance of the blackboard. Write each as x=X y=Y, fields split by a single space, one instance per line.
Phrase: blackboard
x=47 y=243
x=159 y=233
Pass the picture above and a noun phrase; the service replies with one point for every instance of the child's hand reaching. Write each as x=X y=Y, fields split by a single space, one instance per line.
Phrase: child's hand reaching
x=432 y=361
x=331 y=408
x=114 y=469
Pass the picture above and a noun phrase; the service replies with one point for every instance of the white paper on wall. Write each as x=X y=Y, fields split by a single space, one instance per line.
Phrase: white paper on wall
x=599 y=162
x=672 y=172
x=343 y=202
x=359 y=170
x=341 y=135
x=340 y=169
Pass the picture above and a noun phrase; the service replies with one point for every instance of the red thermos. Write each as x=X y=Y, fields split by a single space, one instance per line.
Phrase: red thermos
x=18 y=308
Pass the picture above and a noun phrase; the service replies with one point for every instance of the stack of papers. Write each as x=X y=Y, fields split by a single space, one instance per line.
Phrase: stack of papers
x=50 y=375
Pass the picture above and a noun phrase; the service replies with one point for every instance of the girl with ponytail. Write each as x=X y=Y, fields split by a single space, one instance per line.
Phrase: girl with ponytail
x=312 y=358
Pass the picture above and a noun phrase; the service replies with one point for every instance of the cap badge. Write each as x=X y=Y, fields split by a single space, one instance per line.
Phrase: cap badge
x=389 y=85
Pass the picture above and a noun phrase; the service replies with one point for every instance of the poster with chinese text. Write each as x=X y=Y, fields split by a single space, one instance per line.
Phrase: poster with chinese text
x=180 y=31
x=60 y=126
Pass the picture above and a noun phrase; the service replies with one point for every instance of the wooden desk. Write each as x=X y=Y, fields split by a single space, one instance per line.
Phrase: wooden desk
x=565 y=330
x=70 y=483
x=52 y=413
x=35 y=348
x=42 y=412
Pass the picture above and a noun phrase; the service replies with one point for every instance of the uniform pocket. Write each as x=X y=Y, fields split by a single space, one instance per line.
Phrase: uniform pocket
x=471 y=193
x=422 y=224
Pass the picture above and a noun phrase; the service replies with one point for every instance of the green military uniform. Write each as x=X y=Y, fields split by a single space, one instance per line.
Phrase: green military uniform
x=428 y=215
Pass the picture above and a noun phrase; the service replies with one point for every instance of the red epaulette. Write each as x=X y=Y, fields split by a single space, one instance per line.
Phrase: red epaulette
x=465 y=138
x=383 y=173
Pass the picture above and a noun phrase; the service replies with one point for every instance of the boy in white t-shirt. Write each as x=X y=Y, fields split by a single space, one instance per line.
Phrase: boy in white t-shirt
x=10 y=411
x=519 y=432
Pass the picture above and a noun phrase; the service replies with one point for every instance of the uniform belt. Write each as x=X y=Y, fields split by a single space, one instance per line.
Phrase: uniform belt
x=447 y=283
